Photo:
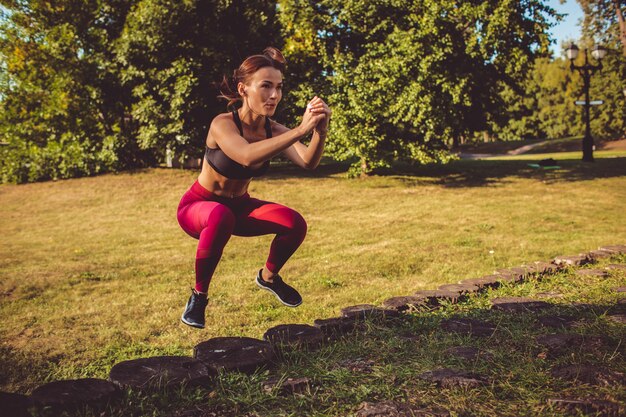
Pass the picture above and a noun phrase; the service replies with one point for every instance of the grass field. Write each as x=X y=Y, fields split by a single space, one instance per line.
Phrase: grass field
x=562 y=156
x=97 y=270
x=384 y=362
x=568 y=144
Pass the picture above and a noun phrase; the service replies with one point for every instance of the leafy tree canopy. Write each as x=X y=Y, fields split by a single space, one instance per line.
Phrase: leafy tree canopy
x=408 y=78
x=173 y=53
x=62 y=103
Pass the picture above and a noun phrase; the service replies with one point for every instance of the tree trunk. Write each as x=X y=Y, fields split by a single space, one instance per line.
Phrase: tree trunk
x=622 y=25
x=365 y=169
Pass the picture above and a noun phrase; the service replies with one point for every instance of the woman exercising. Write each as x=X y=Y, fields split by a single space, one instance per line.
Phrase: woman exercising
x=239 y=146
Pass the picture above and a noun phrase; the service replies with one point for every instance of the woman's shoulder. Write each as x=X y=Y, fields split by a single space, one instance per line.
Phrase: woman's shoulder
x=222 y=120
x=222 y=117
x=220 y=124
x=278 y=128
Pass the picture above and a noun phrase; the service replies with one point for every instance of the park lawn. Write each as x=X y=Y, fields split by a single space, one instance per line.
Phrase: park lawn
x=97 y=270
x=563 y=145
x=570 y=156
x=384 y=362
x=570 y=145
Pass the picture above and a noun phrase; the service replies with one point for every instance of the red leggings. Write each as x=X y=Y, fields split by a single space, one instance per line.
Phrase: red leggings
x=213 y=219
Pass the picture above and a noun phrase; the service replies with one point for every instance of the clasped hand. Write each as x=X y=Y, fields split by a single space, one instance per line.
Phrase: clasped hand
x=316 y=116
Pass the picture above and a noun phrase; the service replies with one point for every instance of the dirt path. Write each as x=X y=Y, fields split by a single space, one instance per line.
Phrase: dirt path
x=526 y=148
x=614 y=145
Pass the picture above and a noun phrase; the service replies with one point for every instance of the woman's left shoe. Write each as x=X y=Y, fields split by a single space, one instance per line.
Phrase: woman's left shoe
x=194 y=310
x=285 y=293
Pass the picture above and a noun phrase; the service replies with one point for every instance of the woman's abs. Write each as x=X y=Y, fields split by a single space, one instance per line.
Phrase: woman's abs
x=220 y=185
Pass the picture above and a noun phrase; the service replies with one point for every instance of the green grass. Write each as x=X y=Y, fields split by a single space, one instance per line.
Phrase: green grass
x=97 y=270
x=497 y=147
x=571 y=156
x=517 y=370
x=572 y=144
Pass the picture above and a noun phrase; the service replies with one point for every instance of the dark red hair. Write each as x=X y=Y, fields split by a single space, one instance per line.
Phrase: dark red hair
x=271 y=57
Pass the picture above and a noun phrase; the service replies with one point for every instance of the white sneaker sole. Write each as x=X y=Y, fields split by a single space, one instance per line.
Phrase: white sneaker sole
x=197 y=326
x=188 y=323
x=276 y=295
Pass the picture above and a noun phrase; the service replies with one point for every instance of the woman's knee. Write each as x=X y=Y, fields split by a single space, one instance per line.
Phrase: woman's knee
x=222 y=217
x=299 y=225
x=219 y=227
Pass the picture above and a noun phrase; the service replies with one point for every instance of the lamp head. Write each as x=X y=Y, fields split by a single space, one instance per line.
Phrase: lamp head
x=598 y=52
x=572 y=52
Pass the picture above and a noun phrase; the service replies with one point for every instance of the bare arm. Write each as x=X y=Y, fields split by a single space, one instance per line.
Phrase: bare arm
x=307 y=157
x=240 y=150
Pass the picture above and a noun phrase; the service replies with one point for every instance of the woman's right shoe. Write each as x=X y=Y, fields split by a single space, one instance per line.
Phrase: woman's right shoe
x=286 y=294
x=194 y=310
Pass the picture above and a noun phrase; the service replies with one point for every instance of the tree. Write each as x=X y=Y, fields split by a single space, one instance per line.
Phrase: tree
x=305 y=74
x=604 y=22
x=62 y=103
x=545 y=109
x=608 y=121
x=409 y=79
x=91 y=86
x=605 y=19
x=173 y=53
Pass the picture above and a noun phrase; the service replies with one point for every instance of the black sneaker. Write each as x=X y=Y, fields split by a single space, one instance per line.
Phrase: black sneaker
x=285 y=294
x=194 y=310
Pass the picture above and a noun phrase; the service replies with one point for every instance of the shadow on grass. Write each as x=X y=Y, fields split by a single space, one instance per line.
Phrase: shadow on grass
x=479 y=173
x=472 y=173
x=21 y=371
x=386 y=361
x=560 y=145
x=326 y=169
x=500 y=147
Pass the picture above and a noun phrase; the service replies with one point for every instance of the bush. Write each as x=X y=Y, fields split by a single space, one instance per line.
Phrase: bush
x=66 y=158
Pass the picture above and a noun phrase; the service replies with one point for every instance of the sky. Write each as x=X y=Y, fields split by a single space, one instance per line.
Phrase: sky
x=570 y=27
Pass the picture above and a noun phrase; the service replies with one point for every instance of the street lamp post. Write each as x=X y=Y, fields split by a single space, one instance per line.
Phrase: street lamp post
x=598 y=52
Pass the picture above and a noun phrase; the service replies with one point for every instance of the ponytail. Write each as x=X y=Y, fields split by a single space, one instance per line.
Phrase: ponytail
x=226 y=92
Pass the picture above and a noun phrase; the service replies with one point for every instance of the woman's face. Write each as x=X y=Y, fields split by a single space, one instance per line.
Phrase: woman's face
x=263 y=91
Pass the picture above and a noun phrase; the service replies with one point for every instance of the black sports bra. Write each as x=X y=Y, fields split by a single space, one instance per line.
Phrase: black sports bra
x=232 y=169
